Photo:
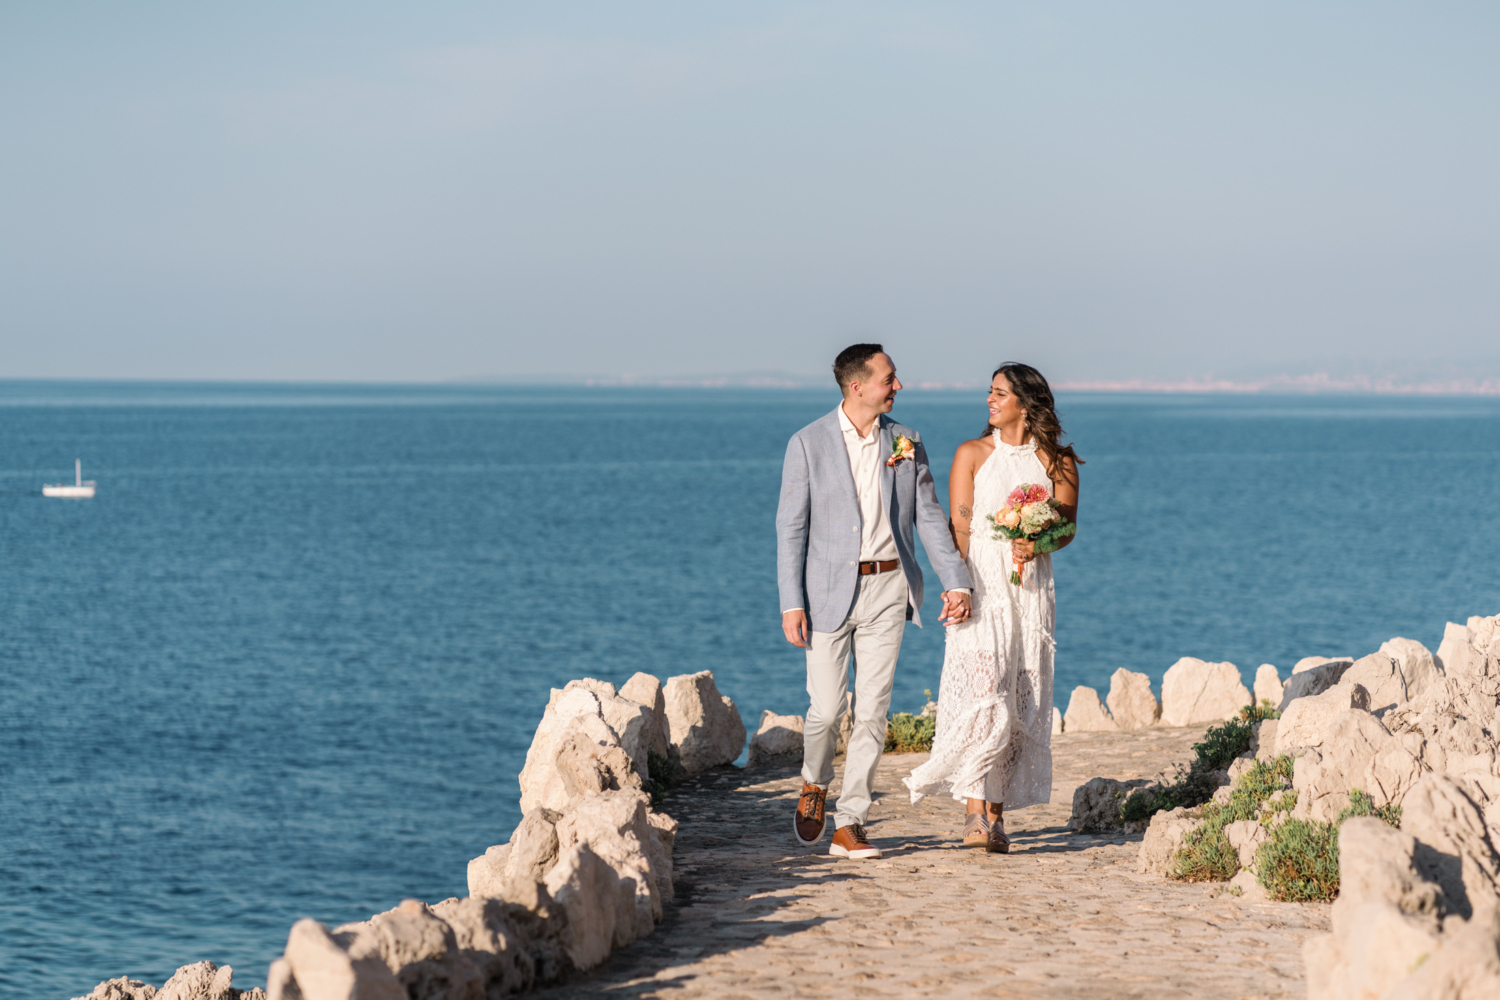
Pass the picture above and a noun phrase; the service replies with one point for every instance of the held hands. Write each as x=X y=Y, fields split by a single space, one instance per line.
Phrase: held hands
x=956 y=608
x=794 y=625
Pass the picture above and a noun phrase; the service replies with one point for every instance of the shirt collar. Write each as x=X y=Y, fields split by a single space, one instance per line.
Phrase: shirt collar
x=848 y=426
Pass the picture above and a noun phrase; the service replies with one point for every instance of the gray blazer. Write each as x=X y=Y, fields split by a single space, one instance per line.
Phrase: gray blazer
x=818 y=523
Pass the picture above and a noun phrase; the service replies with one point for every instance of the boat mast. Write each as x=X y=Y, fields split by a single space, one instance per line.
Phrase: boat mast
x=78 y=471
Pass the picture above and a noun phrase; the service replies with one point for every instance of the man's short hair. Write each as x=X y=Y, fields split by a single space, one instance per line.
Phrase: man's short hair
x=853 y=363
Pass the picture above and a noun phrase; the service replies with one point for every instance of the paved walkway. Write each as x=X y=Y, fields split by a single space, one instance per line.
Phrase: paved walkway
x=1063 y=915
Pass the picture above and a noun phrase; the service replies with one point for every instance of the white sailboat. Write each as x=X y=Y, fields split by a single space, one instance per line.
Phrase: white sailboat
x=80 y=490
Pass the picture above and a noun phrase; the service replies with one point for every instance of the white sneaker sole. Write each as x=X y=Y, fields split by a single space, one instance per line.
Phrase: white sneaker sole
x=860 y=854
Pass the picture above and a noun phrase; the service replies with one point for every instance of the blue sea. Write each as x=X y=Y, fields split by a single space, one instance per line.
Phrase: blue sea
x=288 y=662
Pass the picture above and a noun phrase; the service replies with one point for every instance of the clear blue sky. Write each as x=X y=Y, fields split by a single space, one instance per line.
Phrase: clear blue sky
x=450 y=190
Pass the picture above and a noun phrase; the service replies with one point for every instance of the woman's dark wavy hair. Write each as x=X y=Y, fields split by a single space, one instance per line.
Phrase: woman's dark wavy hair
x=1035 y=395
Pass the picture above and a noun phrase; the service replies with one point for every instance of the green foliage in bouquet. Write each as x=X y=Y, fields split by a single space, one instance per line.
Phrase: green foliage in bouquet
x=1301 y=861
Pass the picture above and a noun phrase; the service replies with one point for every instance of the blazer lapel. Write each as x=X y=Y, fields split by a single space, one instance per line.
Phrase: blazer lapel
x=836 y=442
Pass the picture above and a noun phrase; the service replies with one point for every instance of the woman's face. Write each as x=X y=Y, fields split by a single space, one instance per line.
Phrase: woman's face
x=1005 y=408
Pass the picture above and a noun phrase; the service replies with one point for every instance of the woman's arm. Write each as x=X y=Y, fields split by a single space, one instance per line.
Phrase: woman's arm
x=1065 y=492
x=961 y=496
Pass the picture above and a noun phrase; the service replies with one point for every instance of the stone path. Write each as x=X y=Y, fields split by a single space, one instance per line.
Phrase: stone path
x=1063 y=915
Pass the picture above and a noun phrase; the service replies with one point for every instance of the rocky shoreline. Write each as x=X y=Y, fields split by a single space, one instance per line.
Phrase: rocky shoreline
x=591 y=868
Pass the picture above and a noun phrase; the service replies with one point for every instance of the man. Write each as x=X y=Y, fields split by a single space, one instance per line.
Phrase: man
x=854 y=484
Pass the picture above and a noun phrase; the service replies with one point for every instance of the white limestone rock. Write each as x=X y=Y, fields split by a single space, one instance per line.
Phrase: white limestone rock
x=1096 y=804
x=488 y=940
x=1357 y=753
x=586 y=889
x=1131 y=703
x=1454 y=725
x=777 y=742
x=631 y=721
x=531 y=851
x=1461 y=856
x=1452 y=654
x=1313 y=662
x=1086 y=713
x=123 y=988
x=578 y=708
x=646 y=691
x=1194 y=692
x=199 y=981
x=1314 y=679
x=320 y=966
x=419 y=949
x=1246 y=836
x=702 y=724
x=1268 y=686
x=1263 y=739
x=1248 y=888
x=1394 y=675
x=1307 y=721
x=1163 y=838
x=1057 y=721
x=663 y=839
x=616 y=827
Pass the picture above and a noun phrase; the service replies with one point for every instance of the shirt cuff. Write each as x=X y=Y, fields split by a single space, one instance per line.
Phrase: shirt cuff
x=785 y=610
x=959 y=590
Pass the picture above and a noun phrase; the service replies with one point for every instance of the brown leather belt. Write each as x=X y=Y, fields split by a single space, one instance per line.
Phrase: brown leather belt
x=866 y=568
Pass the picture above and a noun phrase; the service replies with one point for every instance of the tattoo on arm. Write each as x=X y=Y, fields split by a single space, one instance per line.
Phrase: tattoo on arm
x=964 y=511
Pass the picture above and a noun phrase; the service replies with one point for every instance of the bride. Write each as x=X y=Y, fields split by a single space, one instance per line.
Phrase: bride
x=994 y=722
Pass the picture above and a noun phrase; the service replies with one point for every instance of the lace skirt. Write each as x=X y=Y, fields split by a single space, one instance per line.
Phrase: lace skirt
x=994 y=724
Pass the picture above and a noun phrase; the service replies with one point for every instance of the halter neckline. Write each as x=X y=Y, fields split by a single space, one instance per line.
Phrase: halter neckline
x=1030 y=444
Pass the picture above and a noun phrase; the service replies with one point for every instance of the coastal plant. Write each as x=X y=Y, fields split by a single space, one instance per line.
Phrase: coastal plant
x=1259 y=713
x=660 y=773
x=907 y=733
x=1218 y=749
x=1301 y=860
x=1222 y=744
x=1206 y=854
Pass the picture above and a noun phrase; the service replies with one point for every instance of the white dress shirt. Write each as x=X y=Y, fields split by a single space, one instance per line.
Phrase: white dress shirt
x=876 y=543
x=875 y=540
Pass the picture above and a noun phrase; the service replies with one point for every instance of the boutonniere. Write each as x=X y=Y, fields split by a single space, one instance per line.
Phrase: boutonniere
x=901 y=448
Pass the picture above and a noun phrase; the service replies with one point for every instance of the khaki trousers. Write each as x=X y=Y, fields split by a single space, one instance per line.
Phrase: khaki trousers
x=873 y=633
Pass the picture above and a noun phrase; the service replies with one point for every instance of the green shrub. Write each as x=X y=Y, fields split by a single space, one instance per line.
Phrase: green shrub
x=907 y=733
x=1301 y=861
x=659 y=769
x=1220 y=746
x=1259 y=713
x=1206 y=854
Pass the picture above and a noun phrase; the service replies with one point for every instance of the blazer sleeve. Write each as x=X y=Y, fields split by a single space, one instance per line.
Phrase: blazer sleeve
x=932 y=524
x=792 y=517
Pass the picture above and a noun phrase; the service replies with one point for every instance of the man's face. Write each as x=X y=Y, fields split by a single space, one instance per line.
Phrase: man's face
x=879 y=389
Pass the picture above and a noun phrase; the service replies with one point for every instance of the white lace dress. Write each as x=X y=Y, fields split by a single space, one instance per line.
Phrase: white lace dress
x=994 y=723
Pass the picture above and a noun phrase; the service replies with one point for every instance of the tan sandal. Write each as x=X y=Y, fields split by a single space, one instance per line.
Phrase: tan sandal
x=976 y=830
x=998 y=842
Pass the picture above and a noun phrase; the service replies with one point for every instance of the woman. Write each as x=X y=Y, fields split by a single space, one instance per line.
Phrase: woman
x=994 y=724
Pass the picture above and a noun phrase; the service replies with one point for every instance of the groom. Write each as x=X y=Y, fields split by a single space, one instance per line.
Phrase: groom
x=854 y=484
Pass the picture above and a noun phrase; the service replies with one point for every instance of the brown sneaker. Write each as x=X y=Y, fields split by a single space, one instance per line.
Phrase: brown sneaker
x=809 y=822
x=849 y=842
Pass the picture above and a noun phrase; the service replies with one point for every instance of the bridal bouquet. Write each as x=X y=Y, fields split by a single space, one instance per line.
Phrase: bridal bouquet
x=1031 y=513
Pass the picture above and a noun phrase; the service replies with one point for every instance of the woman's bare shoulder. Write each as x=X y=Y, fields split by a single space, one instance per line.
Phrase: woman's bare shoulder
x=976 y=448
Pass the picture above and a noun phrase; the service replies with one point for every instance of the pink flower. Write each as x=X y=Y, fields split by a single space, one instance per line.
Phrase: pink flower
x=1017 y=495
